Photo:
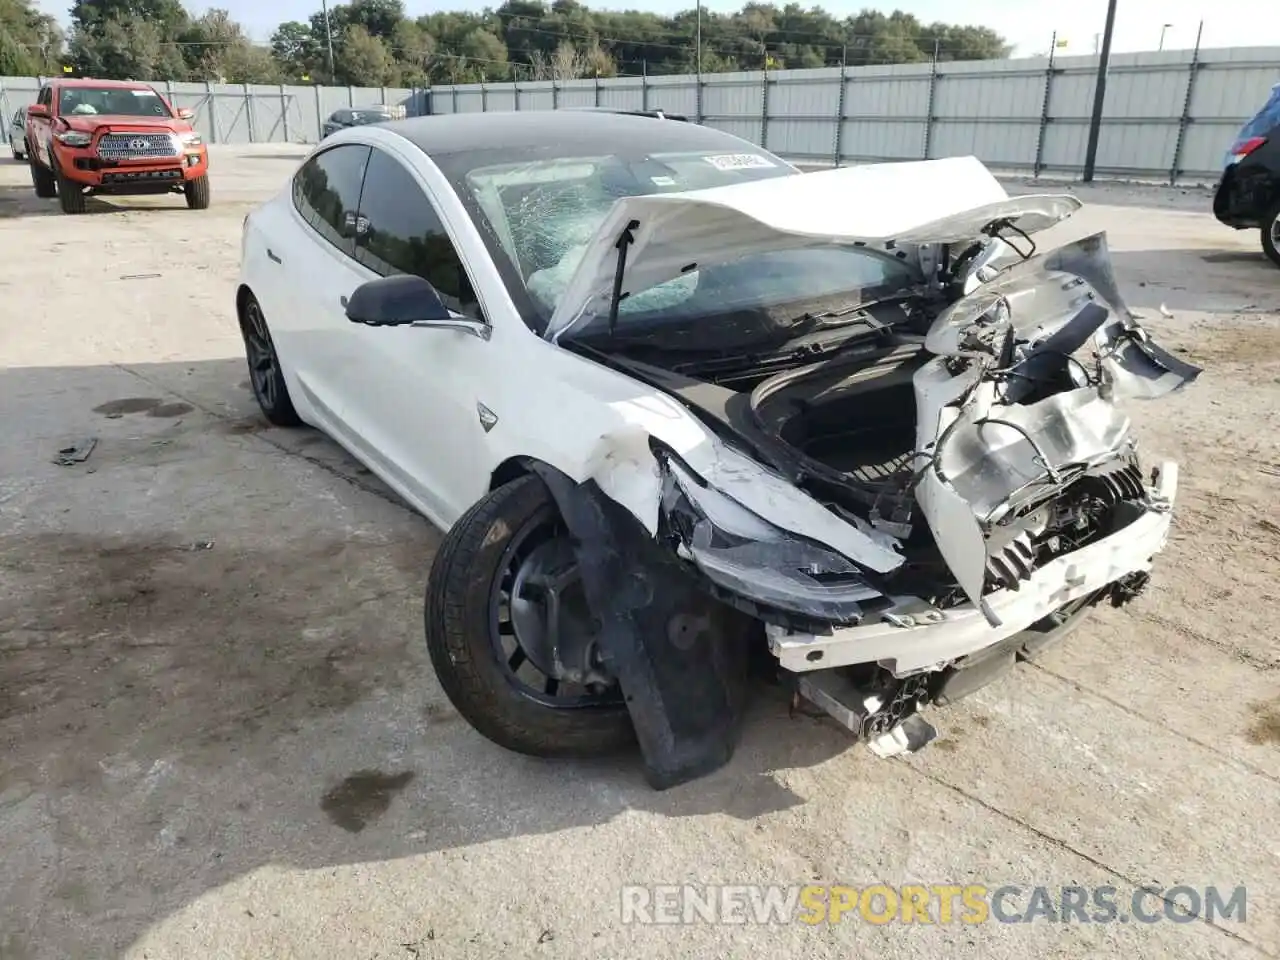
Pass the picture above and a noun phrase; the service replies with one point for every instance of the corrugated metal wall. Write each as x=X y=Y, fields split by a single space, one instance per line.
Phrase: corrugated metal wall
x=1168 y=116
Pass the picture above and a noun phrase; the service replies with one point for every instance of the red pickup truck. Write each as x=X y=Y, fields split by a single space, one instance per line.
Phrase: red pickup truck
x=113 y=137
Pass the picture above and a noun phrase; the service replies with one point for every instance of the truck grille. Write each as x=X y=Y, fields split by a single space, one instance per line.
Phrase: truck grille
x=137 y=146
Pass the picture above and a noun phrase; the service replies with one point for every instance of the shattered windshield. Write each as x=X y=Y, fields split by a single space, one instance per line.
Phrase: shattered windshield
x=539 y=216
x=111 y=101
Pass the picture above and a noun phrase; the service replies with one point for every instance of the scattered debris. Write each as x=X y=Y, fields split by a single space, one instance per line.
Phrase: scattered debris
x=1165 y=311
x=546 y=936
x=78 y=452
x=140 y=276
x=202 y=545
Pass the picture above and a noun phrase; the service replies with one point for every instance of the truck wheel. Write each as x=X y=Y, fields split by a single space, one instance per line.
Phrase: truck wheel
x=197 y=192
x=502 y=593
x=71 y=196
x=265 y=376
x=42 y=178
x=1271 y=234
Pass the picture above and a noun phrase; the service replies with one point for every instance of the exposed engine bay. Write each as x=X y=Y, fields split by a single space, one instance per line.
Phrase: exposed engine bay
x=904 y=494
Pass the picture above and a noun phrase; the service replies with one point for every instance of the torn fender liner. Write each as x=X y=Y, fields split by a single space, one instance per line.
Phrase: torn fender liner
x=680 y=656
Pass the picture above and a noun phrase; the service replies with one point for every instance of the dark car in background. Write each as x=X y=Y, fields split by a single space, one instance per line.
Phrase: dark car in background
x=359 y=116
x=1248 y=194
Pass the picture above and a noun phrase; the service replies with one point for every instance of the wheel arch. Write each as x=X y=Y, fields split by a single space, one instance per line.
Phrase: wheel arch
x=513 y=468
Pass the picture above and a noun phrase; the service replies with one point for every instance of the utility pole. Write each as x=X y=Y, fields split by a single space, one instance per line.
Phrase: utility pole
x=698 y=39
x=1163 y=29
x=328 y=35
x=1099 y=93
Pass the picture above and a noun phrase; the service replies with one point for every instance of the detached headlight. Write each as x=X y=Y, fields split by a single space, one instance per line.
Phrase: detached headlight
x=746 y=555
x=74 y=138
x=191 y=139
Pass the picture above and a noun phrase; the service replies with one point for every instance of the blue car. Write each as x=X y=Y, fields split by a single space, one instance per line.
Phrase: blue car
x=1248 y=194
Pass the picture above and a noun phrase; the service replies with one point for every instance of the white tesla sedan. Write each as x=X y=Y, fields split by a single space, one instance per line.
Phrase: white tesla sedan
x=674 y=401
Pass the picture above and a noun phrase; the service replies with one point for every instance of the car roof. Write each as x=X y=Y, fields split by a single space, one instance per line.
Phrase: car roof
x=558 y=132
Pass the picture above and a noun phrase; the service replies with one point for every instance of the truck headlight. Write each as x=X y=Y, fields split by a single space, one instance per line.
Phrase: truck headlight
x=191 y=139
x=74 y=138
x=746 y=555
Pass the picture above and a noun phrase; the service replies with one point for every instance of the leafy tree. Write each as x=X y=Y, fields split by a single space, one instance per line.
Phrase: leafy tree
x=363 y=59
x=30 y=41
x=131 y=49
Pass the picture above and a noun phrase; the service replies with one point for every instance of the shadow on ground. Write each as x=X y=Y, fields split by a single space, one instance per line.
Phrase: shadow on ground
x=212 y=660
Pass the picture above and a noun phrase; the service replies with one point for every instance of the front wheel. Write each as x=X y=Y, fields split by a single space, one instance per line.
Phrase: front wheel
x=71 y=196
x=1271 y=234
x=197 y=193
x=510 y=634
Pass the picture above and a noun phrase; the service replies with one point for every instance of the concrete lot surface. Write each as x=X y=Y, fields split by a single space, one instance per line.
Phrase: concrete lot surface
x=220 y=735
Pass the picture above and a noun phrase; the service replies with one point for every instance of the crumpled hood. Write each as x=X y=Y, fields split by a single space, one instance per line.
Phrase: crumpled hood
x=93 y=122
x=911 y=203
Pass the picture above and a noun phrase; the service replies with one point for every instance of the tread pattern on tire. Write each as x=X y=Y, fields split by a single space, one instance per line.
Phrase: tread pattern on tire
x=197 y=193
x=71 y=196
x=282 y=412
x=42 y=179
x=1269 y=247
x=456 y=624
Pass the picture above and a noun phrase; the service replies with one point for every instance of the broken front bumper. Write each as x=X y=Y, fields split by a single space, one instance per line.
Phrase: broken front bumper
x=912 y=637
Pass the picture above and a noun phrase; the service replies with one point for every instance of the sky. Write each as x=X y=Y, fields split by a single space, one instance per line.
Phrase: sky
x=1028 y=24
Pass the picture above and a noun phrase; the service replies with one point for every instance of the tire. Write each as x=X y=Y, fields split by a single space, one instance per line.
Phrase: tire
x=197 y=193
x=71 y=196
x=42 y=179
x=1271 y=234
x=460 y=621
x=265 y=376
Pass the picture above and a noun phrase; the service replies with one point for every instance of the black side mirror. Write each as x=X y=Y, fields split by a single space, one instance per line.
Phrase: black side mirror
x=396 y=301
x=405 y=300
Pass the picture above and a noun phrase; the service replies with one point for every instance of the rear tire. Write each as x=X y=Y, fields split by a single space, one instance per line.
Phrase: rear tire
x=20 y=153
x=265 y=376
x=1271 y=234
x=459 y=620
x=42 y=179
x=197 y=192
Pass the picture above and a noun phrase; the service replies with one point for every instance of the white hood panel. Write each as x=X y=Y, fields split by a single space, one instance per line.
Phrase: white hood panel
x=927 y=201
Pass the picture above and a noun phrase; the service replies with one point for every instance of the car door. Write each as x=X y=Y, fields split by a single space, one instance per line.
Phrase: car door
x=38 y=128
x=310 y=247
x=415 y=390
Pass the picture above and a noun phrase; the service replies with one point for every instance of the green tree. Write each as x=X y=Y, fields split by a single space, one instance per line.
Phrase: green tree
x=363 y=60
x=30 y=41
x=127 y=49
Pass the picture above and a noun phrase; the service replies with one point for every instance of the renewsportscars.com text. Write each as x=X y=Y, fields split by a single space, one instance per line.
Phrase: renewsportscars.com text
x=816 y=904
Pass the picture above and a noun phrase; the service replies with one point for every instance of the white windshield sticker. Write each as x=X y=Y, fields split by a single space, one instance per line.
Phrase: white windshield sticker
x=663 y=181
x=142 y=93
x=738 y=161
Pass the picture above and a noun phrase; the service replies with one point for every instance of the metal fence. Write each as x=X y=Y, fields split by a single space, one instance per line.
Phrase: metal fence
x=1168 y=116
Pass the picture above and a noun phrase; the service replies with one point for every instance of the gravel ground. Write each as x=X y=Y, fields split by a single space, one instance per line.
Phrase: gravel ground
x=220 y=735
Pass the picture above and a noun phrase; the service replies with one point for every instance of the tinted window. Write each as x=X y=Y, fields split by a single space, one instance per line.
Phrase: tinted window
x=46 y=96
x=403 y=234
x=326 y=191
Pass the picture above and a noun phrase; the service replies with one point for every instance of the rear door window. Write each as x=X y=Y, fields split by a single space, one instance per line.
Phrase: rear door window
x=400 y=232
x=326 y=191
x=1266 y=121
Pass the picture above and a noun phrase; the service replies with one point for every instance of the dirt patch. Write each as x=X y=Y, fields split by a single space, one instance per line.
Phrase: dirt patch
x=115 y=408
x=362 y=798
x=1265 y=728
x=167 y=410
x=163 y=641
x=1256 y=345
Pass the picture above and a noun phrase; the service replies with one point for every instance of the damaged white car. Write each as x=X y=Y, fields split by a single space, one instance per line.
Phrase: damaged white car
x=678 y=404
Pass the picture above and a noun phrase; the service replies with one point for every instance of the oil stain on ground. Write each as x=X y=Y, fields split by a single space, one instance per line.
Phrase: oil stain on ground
x=362 y=798
x=151 y=406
